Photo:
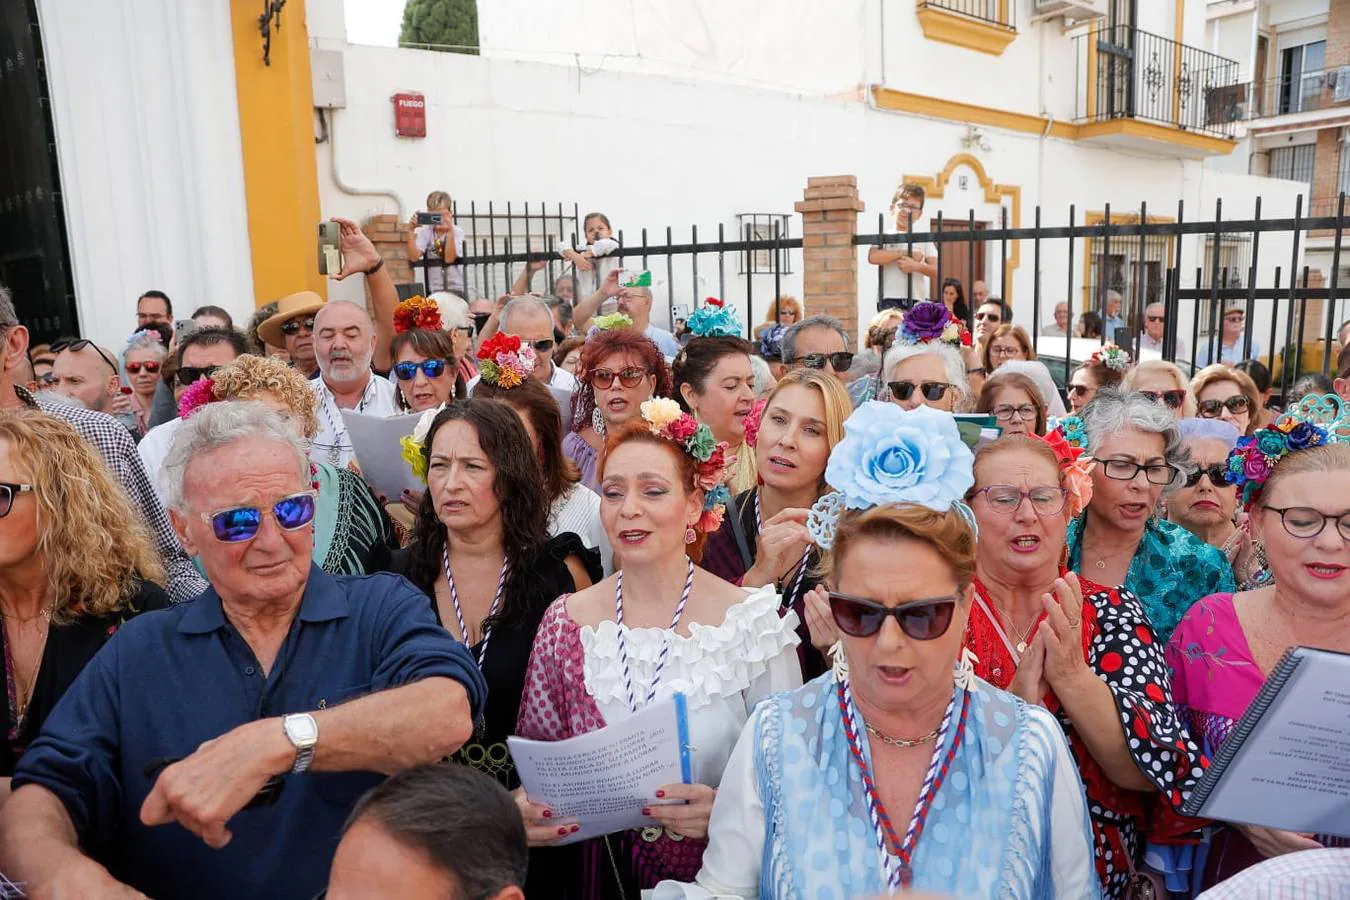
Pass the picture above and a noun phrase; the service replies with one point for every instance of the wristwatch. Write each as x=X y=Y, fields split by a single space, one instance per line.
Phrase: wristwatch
x=303 y=732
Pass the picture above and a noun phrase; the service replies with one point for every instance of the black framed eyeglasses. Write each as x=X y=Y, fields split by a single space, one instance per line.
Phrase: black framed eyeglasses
x=923 y=620
x=1127 y=469
x=840 y=362
x=291 y=327
x=933 y=391
x=1006 y=499
x=629 y=377
x=1306 y=522
x=1172 y=399
x=1006 y=412
x=241 y=523
x=8 y=491
x=189 y=375
x=77 y=346
x=432 y=368
x=1212 y=409
x=1218 y=473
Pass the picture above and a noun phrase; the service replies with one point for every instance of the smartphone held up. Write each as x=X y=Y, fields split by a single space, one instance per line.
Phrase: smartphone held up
x=330 y=256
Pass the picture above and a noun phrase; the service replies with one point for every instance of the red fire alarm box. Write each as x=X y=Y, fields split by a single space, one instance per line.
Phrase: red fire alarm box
x=410 y=115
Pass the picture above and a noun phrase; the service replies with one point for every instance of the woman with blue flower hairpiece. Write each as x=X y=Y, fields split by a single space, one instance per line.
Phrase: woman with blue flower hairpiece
x=900 y=768
x=715 y=383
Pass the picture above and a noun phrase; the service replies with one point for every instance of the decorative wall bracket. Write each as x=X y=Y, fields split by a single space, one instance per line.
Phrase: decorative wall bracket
x=269 y=21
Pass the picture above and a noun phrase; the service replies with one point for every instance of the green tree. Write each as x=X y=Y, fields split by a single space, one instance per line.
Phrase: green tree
x=445 y=24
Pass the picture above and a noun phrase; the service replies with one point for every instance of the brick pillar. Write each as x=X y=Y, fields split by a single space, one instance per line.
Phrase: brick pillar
x=829 y=210
x=389 y=236
x=1326 y=176
x=1338 y=34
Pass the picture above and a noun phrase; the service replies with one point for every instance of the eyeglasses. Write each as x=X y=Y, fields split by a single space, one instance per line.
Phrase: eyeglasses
x=466 y=330
x=1235 y=319
x=291 y=327
x=933 y=391
x=150 y=366
x=630 y=377
x=840 y=362
x=924 y=620
x=1305 y=522
x=1077 y=389
x=1173 y=399
x=432 y=368
x=77 y=346
x=1212 y=409
x=1006 y=499
x=241 y=523
x=1218 y=476
x=1006 y=413
x=996 y=350
x=1156 y=318
x=189 y=375
x=1126 y=469
x=7 y=493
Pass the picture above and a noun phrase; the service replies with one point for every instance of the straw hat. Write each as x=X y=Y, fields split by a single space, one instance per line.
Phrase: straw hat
x=302 y=303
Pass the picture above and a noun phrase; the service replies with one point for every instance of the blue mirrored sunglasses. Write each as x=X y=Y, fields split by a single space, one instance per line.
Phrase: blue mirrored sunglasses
x=241 y=523
x=432 y=368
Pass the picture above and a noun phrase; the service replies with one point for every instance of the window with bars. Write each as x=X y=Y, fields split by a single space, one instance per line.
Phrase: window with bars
x=1293 y=163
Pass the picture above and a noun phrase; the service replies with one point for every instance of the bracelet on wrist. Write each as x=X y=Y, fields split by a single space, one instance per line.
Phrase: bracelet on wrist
x=375 y=268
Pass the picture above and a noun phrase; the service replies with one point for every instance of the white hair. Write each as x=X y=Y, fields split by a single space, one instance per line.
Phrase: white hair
x=1040 y=376
x=764 y=380
x=217 y=425
x=144 y=340
x=454 y=310
x=1112 y=412
x=951 y=362
x=517 y=305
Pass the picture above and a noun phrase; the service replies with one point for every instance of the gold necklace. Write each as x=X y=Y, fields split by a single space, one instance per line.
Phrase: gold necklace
x=21 y=703
x=900 y=742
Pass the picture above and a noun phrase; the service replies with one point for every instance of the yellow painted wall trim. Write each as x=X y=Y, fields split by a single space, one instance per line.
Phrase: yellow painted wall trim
x=1178 y=36
x=952 y=28
x=970 y=113
x=281 y=177
x=935 y=187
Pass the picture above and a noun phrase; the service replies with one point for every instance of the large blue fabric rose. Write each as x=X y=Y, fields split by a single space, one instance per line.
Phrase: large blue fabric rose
x=889 y=455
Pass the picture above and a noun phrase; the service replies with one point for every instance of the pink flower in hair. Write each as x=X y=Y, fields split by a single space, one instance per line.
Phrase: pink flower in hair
x=197 y=395
x=683 y=428
x=752 y=420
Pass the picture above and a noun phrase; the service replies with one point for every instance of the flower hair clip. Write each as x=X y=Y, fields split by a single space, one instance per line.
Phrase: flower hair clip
x=504 y=361
x=609 y=322
x=417 y=312
x=714 y=319
x=890 y=455
x=198 y=394
x=666 y=420
x=410 y=445
x=928 y=322
x=752 y=421
x=1111 y=356
x=1075 y=467
x=1073 y=431
x=1312 y=422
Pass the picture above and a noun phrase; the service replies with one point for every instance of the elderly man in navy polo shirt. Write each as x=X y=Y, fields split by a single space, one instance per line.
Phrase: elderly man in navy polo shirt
x=214 y=749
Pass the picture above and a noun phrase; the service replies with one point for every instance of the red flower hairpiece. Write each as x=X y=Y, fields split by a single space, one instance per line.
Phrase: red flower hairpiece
x=417 y=312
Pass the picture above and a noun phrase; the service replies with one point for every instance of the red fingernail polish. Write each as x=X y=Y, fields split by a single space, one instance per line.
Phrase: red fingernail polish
x=562 y=831
x=646 y=811
x=660 y=793
x=548 y=814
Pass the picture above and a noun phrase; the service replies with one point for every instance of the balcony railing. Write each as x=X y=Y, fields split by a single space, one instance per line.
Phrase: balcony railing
x=993 y=12
x=1309 y=91
x=1126 y=73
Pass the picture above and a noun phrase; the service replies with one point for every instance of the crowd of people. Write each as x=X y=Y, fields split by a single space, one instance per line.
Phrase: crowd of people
x=935 y=624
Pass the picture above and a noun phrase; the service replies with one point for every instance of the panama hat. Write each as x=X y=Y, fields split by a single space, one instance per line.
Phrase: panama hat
x=301 y=303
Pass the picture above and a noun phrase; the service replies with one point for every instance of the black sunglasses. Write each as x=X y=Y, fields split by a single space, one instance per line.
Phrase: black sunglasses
x=432 y=368
x=991 y=317
x=1218 y=476
x=189 y=375
x=77 y=346
x=8 y=491
x=1077 y=389
x=543 y=346
x=479 y=320
x=1173 y=399
x=292 y=327
x=1212 y=409
x=921 y=621
x=840 y=362
x=933 y=391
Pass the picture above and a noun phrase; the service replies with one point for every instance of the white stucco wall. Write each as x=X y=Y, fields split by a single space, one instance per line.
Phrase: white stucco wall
x=147 y=128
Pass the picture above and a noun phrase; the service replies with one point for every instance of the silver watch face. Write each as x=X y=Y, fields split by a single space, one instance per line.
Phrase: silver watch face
x=301 y=729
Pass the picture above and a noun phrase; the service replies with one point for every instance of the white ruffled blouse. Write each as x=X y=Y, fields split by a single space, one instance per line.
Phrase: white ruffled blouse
x=722 y=670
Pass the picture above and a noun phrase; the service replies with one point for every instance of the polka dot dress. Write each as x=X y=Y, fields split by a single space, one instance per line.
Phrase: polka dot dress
x=1120 y=646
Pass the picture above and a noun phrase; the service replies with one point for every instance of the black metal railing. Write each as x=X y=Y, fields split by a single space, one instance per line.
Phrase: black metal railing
x=1133 y=74
x=994 y=12
x=1305 y=92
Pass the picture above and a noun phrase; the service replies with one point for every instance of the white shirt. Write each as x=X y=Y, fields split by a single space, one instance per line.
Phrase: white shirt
x=332 y=444
x=897 y=284
x=587 y=283
x=1148 y=343
x=447 y=278
x=577 y=510
x=154 y=449
x=560 y=378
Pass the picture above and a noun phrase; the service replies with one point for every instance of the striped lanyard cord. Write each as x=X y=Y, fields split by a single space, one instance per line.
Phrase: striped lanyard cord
x=803 y=564
x=328 y=403
x=459 y=612
x=665 y=646
x=897 y=867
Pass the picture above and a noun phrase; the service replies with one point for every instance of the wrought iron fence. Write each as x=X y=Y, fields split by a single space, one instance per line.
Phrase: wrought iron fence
x=995 y=12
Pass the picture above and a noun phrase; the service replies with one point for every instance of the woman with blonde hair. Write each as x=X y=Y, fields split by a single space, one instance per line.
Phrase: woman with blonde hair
x=352 y=532
x=1222 y=392
x=75 y=563
x=1162 y=382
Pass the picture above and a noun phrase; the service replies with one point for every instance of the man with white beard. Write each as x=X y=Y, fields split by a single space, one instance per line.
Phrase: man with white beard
x=344 y=342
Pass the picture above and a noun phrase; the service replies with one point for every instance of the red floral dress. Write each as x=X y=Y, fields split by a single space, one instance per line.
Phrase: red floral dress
x=1120 y=647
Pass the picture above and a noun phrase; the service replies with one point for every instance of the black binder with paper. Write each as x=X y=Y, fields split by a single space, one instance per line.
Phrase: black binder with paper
x=1287 y=763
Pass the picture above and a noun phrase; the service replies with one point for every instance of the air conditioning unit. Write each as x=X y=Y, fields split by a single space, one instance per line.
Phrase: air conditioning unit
x=1069 y=9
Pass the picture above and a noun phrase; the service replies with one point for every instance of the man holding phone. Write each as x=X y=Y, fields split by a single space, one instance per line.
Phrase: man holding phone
x=433 y=233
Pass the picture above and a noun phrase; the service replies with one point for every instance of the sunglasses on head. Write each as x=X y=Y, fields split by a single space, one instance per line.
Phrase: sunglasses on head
x=292 y=327
x=241 y=523
x=840 y=362
x=77 y=346
x=1218 y=476
x=432 y=368
x=933 y=391
x=1173 y=399
x=8 y=491
x=1212 y=409
x=630 y=377
x=150 y=366
x=924 y=620
x=189 y=375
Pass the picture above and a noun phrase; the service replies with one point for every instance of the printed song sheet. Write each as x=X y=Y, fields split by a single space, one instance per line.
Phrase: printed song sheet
x=603 y=779
x=375 y=440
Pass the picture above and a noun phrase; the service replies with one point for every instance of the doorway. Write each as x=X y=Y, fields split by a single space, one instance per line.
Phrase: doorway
x=955 y=258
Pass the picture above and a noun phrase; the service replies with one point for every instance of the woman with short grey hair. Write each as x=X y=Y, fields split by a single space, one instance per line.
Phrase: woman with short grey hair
x=142 y=364
x=931 y=374
x=1121 y=538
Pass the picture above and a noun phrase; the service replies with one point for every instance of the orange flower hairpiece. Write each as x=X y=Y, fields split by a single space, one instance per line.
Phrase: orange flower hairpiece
x=417 y=312
x=1076 y=469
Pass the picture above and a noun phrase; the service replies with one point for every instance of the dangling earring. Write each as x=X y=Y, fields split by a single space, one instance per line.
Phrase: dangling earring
x=838 y=662
x=597 y=422
x=689 y=535
x=964 y=670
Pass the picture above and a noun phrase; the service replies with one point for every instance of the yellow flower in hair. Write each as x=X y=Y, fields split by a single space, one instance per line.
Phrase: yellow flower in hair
x=660 y=412
x=507 y=378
